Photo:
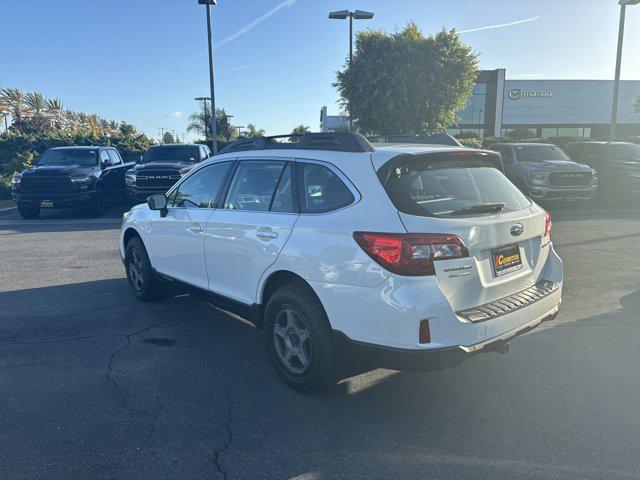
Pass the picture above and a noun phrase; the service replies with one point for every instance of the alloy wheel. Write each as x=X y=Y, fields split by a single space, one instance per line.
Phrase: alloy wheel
x=292 y=340
x=135 y=271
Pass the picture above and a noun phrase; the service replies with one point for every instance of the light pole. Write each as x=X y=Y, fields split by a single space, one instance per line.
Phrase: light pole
x=214 y=143
x=204 y=105
x=616 y=83
x=357 y=15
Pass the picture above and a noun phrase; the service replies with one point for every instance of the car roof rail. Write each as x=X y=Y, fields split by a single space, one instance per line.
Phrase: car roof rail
x=332 y=141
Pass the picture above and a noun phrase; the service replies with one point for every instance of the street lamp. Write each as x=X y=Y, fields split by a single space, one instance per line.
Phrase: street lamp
x=357 y=15
x=616 y=83
x=208 y=3
x=204 y=105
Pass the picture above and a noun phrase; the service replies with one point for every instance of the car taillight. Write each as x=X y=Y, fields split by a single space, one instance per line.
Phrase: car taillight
x=410 y=253
x=547 y=225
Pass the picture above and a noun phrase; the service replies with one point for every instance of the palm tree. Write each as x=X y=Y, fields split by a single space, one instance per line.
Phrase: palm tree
x=199 y=122
x=13 y=98
x=55 y=112
x=300 y=129
x=252 y=131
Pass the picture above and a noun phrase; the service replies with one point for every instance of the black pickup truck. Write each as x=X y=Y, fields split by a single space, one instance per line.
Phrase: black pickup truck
x=618 y=166
x=160 y=168
x=66 y=177
x=543 y=172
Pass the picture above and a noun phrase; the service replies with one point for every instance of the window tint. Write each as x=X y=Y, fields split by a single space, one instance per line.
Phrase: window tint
x=253 y=185
x=507 y=154
x=115 y=158
x=201 y=188
x=104 y=157
x=322 y=190
x=283 y=199
x=435 y=185
x=68 y=156
x=533 y=153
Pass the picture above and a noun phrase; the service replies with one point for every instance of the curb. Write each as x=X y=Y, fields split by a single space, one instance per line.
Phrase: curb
x=4 y=211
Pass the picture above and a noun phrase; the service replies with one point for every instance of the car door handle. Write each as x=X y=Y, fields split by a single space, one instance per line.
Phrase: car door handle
x=266 y=233
x=196 y=228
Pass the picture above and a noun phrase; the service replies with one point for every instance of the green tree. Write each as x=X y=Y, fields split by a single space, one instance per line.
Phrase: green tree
x=300 y=129
x=13 y=99
x=168 y=138
x=637 y=103
x=200 y=122
x=253 y=131
x=404 y=82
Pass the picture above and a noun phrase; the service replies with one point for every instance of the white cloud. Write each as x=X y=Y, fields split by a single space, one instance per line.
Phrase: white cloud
x=242 y=30
x=500 y=25
x=176 y=114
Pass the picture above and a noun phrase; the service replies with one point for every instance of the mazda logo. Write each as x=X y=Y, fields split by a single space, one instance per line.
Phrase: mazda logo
x=517 y=229
x=515 y=94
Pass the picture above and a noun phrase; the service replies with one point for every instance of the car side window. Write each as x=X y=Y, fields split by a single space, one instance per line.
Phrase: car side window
x=200 y=189
x=104 y=158
x=115 y=158
x=321 y=190
x=283 y=200
x=507 y=154
x=253 y=185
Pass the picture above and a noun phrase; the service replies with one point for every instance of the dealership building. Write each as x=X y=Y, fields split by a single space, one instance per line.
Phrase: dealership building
x=537 y=108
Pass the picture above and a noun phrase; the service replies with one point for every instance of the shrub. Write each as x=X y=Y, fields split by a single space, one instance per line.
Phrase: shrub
x=5 y=187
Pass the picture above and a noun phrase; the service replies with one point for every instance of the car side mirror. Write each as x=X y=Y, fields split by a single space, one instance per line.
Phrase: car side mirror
x=139 y=159
x=104 y=163
x=157 y=202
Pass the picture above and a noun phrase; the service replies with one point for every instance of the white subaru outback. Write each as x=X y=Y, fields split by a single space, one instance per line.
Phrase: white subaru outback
x=420 y=256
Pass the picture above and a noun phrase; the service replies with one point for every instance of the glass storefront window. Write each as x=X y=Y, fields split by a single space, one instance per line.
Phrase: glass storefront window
x=473 y=113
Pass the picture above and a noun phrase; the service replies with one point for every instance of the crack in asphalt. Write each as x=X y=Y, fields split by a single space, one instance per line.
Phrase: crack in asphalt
x=217 y=454
x=109 y=374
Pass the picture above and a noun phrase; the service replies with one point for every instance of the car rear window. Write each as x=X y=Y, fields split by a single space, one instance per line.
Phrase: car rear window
x=441 y=184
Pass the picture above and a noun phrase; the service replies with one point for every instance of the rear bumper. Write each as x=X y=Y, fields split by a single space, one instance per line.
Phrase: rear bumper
x=58 y=200
x=389 y=314
x=562 y=193
x=428 y=359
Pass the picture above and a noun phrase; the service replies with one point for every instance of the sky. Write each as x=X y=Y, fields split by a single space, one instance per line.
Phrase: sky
x=144 y=61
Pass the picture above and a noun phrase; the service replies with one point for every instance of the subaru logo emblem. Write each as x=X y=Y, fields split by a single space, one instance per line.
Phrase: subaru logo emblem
x=517 y=229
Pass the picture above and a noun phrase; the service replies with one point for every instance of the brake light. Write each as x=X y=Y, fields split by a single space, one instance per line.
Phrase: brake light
x=547 y=225
x=410 y=253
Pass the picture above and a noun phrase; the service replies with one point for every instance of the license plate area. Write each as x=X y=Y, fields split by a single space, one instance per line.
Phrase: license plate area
x=46 y=204
x=506 y=260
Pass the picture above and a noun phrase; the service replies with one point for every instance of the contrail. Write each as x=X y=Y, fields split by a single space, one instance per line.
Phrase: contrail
x=500 y=25
x=250 y=26
x=243 y=30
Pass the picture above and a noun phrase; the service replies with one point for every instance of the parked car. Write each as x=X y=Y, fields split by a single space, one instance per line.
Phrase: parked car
x=618 y=166
x=543 y=172
x=65 y=177
x=417 y=257
x=161 y=167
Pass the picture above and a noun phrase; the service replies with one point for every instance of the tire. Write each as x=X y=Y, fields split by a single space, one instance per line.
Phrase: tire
x=296 y=326
x=143 y=280
x=28 y=210
x=98 y=206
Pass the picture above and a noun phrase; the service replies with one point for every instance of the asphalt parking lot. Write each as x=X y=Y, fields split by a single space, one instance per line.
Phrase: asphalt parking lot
x=94 y=384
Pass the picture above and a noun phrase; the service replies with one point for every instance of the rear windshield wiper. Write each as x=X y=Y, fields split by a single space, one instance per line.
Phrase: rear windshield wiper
x=481 y=208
